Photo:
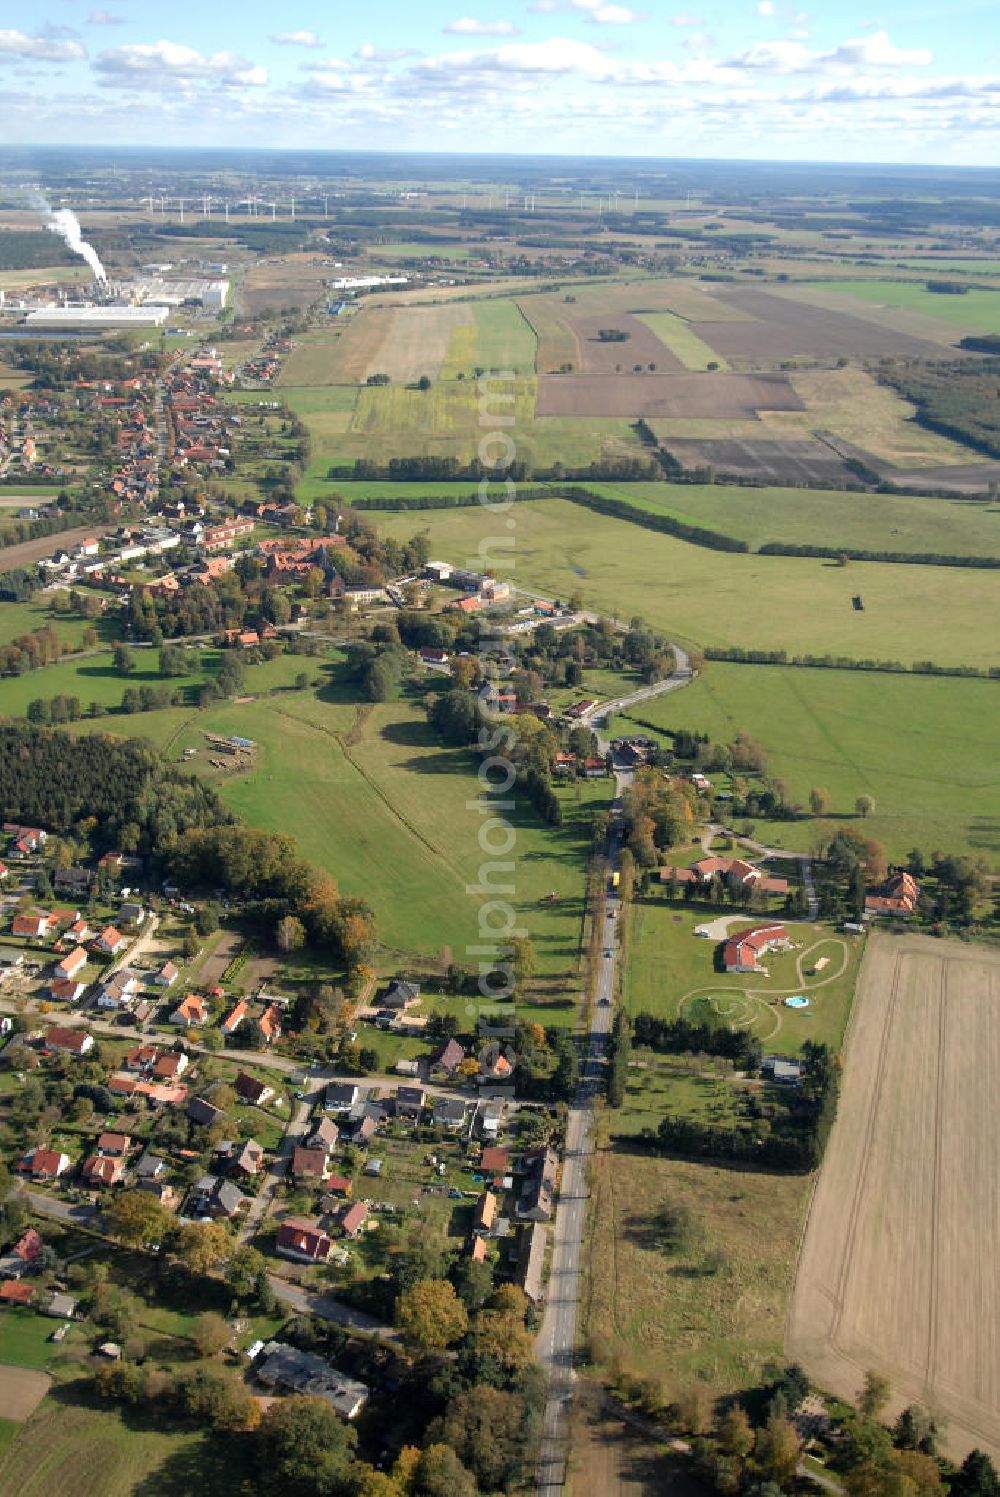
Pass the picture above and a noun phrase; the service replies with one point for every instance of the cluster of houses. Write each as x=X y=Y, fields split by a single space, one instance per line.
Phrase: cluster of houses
x=22 y=418
x=735 y=874
x=479 y=590
x=896 y=895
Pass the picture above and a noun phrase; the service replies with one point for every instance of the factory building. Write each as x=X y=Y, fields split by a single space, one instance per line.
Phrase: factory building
x=87 y=316
x=175 y=292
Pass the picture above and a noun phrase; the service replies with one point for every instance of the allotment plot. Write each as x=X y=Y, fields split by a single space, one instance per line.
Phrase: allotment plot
x=898 y=1267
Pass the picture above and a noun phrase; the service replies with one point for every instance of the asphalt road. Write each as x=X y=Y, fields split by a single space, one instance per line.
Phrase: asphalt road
x=556 y=1345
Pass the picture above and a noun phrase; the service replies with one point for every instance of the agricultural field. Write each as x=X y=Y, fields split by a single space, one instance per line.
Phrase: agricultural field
x=703 y=1307
x=496 y=337
x=974 y=311
x=785 y=328
x=922 y=747
x=896 y=1273
x=294 y=280
x=712 y=598
x=677 y=336
x=847 y=403
x=670 y=972
x=708 y=396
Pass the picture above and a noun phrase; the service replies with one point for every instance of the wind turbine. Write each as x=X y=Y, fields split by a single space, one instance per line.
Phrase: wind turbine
x=293 y=210
x=180 y=204
x=274 y=212
x=226 y=206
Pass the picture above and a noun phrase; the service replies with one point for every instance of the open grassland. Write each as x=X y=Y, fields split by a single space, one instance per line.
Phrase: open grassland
x=975 y=311
x=923 y=748
x=893 y=320
x=713 y=598
x=897 y=1272
x=675 y=333
x=712 y=1314
x=372 y=795
x=671 y=972
x=27 y=618
x=819 y=517
x=498 y=337
x=93 y=678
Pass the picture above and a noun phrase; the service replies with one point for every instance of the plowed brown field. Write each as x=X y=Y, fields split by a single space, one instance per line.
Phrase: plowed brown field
x=898 y=1268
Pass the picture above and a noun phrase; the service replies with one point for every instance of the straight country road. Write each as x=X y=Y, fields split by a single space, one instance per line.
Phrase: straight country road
x=556 y=1345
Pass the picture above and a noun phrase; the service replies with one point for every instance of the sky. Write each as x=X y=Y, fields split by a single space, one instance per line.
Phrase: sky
x=862 y=80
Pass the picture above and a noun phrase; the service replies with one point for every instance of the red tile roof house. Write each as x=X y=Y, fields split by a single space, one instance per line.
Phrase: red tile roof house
x=251 y=1090
x=43 y=1164
x=13 y=1293
x=72 y=1041
x=66 y=990
x=310 y=1164
x=898 y=895
x=33 y=927
x=142 y=1058
x=270 y=1023
x=168 y=1067
x=23 y=1253
x=234 y=1018
x=741 y=952
x=103 y=1169
x=71 y=965
x=114 y=1143
x=110 y=941
x=192 y=1010
x=354 y=1219
x=303 y=1241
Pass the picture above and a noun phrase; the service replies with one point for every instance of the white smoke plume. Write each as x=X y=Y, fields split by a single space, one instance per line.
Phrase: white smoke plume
x=64 y=222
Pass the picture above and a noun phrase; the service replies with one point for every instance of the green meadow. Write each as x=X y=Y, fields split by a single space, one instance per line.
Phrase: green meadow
x=923 y=747
x=974 y=311
x=706 y=597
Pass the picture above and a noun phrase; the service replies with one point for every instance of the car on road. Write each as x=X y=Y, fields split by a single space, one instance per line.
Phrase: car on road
x=609 y=951
x=604 y=1002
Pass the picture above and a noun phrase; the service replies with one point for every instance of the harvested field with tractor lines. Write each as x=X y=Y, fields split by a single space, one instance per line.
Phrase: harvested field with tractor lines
x=898 y=1267
x=785 y=329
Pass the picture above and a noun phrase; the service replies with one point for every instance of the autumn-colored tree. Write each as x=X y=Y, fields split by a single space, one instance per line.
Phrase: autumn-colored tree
x=874 y=1395
x=290 y=934
x=431 y=1316
x=502 y=1336
x=735 y=1433
x=136 y=1218
x=440 y=1473
x=211 y=1334
x=202 y=1246
x=819 y=801
x=777 y=1451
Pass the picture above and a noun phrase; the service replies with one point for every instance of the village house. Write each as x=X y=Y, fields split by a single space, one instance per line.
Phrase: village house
x=212 y=1196
x=111 y=941
x=896 y=895
x=353 y=1220
x=43 y=1164
x=103 y=1169
x=69 y=1041
x=400 y=994
x=446 y=1061
x=270 y=1023
x=537 y=1199
x=303 y=1241
x=66 y=990
x=530 y=1261
x=201 y=1111
x=310 y=1164
x=72 y=964
x=249 y=1089
x=22 y=1255
x=449 y=1112
x=235 y=1017
x=33 y=927
x=739 y=875
x=166 y=977
x=190 y=1012
x=324 y=1136
x=76 y=881
x=485 y=1214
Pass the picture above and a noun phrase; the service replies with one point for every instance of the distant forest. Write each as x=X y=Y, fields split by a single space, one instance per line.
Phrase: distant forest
x=31 y=249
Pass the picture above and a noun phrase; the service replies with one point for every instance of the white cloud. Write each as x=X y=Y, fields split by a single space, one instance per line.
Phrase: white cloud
x=39 y=48
x=765 y=8
x=104 y=18
x=297 y=39
x=164 y=63
x=790 y=56
x=603 y=14
x=557 y=55
x=469 y=26
x=368 y=52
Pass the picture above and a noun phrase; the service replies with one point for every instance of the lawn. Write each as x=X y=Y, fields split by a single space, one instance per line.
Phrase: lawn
x=819 y=517
x=671 y=972
x=973 y=312
x=923 y=747
x=712 y=1315
x=27 y=618
x=93 y=678
x=26 y=1338
x=712 y=598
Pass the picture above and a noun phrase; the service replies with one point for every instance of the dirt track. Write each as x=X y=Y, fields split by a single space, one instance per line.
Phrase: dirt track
x=898 y=1268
